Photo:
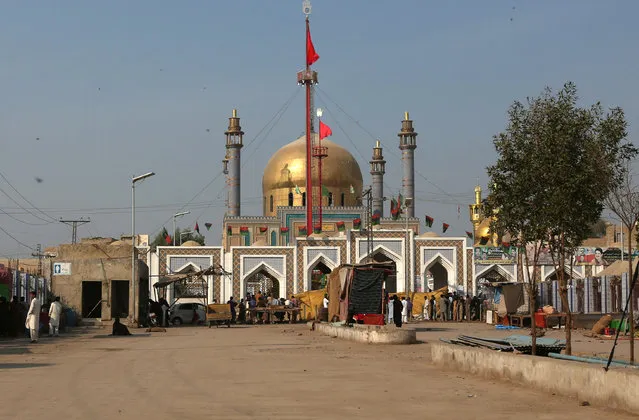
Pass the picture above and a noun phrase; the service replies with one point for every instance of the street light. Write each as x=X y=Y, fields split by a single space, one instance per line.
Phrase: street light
x=407 y=202
x=176 y=215
x=133 y=262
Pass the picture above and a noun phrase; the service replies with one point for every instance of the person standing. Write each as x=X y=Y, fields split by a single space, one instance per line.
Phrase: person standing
x=33 y=317
x=409 y=309
x=404 y=310
x=397 y=311
x=325 y=301
x=443 y=307
x=426 y=310
x=232 y=305
x=390 y=310
x=55 y=312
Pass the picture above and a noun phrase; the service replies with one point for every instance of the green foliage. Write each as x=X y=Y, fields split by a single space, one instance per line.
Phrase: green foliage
x=557 y=164
x=598 y=229
x=160 y=238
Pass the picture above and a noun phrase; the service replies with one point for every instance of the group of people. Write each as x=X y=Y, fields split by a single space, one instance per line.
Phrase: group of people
x=399 y=311
x=18 y=317
x=252 y=304
x=452 y=307
x=161 y=311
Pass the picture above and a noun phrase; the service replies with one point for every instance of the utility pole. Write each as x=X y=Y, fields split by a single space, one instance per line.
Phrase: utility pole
x=39 y=255
x=74 y=227
x=369 y=222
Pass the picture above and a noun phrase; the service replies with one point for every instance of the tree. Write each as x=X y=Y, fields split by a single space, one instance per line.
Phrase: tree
x=624 y=202
x=557 y=164
x=161 y=238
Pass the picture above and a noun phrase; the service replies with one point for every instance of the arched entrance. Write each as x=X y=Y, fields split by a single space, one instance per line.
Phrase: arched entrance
x=319 y=275
x=439 y=274
x=262 y=281
x=391 y=280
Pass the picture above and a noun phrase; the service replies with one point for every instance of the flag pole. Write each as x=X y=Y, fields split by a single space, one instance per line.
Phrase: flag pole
x=309 y=181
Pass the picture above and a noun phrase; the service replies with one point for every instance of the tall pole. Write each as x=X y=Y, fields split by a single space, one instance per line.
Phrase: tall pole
x=309 y=172
x=133 y=282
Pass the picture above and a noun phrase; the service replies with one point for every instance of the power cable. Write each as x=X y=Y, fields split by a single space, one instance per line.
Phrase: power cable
x=16 y=239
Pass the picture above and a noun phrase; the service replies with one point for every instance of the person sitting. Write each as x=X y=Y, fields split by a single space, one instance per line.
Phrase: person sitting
x=119 y=329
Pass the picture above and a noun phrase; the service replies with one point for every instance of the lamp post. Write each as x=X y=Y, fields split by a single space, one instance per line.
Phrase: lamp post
x=176 y=215
x=407 y=202
x=133 y=262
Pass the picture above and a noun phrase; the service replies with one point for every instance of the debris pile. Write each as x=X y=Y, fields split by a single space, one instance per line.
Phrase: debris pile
x=514 y=343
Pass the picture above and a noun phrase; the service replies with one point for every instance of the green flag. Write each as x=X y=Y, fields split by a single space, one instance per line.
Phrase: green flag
x=297 y=190
x=325 y=192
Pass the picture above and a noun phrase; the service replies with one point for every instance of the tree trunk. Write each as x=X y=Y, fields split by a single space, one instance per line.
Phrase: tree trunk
x=532 y=300
x=631 y=312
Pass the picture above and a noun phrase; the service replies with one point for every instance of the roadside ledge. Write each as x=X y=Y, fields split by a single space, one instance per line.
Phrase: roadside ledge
x=372 y=334
x=616 y=388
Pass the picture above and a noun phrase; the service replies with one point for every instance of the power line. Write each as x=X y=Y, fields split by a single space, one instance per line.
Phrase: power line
x=16 y=239
x=25 y=198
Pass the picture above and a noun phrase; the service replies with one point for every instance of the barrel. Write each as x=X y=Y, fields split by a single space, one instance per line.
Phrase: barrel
x=540 y=320
x=72 y=318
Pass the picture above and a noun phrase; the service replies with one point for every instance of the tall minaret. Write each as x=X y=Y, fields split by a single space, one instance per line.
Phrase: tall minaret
x=233 y=148
x=407 y=144
x=475 y=213
x=378 y=169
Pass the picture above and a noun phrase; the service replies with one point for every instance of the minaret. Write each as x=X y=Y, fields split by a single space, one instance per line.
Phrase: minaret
x=378 y=169
x=234 y=145
x=407 y=144
x=475 y=213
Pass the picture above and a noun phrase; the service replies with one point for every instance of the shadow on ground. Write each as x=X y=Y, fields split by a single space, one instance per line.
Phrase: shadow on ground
x=23 y=365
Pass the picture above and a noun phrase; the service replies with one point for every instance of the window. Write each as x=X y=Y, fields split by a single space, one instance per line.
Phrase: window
x=290 y=199
x=342 y=199
x=186 y=307
x=303 y=199
x=271 y=204
x=273 y=238
x=330 y=199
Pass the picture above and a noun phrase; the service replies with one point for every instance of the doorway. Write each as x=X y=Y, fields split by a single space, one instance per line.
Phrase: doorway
x=119 y=299
x=91 y=299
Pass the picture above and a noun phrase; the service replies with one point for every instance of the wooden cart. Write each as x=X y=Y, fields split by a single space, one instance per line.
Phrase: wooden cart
x=218 y=314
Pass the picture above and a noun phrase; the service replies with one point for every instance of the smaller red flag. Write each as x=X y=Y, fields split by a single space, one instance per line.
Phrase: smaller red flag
x=445 y=227
x=197 y=228
x=168 y=239
x=311 y=55
x=325 y=130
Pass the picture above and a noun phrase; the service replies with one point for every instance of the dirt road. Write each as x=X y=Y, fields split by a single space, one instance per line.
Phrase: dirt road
x=279 y=372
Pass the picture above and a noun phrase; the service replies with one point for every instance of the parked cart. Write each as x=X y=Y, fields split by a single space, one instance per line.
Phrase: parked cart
x=218 y=314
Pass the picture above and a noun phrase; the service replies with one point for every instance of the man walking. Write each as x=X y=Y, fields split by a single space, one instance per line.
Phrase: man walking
x=55 y=311
x=33 y=318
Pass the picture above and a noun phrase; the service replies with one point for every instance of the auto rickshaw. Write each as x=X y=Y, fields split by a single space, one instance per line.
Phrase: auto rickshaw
x=218 y=314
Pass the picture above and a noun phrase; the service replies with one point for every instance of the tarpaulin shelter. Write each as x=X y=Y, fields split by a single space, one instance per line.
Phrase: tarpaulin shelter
x=310 y=302
x=357 y=289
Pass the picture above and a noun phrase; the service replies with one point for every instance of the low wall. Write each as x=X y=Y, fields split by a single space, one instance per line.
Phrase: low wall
x=616 y=388
x=373 y=334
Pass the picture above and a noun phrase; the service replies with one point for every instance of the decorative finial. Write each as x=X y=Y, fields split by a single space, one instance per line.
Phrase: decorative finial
x=306 y=7
x=377 y=143
x=406 y=116
x=235 y=113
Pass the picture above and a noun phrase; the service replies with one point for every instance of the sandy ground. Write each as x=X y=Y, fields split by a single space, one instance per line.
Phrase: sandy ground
x=581 y=345
x=279 y=372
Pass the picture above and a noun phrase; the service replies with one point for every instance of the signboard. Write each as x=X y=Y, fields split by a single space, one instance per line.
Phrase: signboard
x=61 y=269
x=495 y=254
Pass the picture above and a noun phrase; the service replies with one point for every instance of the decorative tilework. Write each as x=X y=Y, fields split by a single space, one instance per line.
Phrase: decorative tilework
x=469 y=272
x=458 y=244
x=319 y=243
x=258 y=251
x=216 y=253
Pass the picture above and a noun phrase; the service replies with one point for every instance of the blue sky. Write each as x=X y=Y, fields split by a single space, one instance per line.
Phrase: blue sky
x=113 y=89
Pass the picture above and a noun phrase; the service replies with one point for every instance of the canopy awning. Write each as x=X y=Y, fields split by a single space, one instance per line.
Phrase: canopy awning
x=617 y=268
x=173 y=278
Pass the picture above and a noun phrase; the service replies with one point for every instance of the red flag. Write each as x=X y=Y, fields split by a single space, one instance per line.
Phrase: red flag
x=197 y=228
x=168 y=239
x=445 y=227
x=325 y=130
x=311 y=55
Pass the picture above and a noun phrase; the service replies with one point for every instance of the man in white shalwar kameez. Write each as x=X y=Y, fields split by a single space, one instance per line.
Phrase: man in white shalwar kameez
x=33 y=318
x=404 y=310
x=55 y=311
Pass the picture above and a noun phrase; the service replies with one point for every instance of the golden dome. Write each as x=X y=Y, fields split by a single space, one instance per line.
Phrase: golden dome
x=286 y=170
x=191 y=243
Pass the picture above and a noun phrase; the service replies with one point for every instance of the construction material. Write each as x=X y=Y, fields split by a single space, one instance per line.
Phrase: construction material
x=513 y=343
x=594 y=360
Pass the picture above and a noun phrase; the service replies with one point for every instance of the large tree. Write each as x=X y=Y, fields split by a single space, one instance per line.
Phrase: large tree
x=624 y=202
x=557 y=164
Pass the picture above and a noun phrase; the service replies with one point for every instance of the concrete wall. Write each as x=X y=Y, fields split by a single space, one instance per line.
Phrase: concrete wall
x=616 y=388
x=100 y=260
x=372 y=334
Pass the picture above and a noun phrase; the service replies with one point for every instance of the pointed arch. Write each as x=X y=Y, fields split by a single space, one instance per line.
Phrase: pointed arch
x=575 y=274
x=443 y=272
x=320 y=259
